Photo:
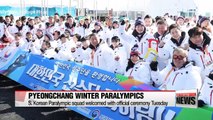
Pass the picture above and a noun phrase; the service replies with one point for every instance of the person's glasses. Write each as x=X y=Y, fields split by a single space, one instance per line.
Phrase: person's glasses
x=179 y=57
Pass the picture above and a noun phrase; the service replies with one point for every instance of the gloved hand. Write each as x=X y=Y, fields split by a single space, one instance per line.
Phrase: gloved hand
x=17 y=44
x=42 y=50
x=211 y=75
x=201 y=103
x=74 y=24
x=193 y=63
x=56 y=50
x=161 y=44
x=51 y=58
x=122 y=22
x=47 y=24
x=154 y=65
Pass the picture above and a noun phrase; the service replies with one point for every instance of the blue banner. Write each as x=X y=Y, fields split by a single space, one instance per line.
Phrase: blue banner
x=13 y=63
x=58 y=75
x=45 y=74
x=39 y=73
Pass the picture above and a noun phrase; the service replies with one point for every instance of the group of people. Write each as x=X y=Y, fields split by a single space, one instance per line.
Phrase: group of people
x=162 y=52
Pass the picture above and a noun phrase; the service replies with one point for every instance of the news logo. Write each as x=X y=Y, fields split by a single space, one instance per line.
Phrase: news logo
x=186 y=98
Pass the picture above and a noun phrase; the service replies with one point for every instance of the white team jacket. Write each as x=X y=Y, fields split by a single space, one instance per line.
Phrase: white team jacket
x=185 y=78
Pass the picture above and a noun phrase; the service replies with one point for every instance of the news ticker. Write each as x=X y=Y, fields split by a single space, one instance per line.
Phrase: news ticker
x=187 y=98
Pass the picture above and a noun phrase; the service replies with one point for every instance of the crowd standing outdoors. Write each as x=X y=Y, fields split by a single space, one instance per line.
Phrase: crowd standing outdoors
x=170 y=53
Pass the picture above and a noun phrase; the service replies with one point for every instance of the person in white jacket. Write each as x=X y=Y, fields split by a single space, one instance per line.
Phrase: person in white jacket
x=200 y=49
x=87 y=27
x=38 y=23
x=137 y=69
x=85 y=47
x=70 y=25
x=205 y=24
x=61 y=25
x=79 y=29
x=101 y=56
x=178 y=38
x=8 y=24
x=50 y=25
x=16 y=40
x=39 y=36
x=180 y=22
x=179 y=75
x=2 y=26
x=139 y=37
x=120 y=60
x=63 y=49
x=75 y=51
x=162 y=33
x=31 y=26
x=30 y=44
x=98 y=30
x=46 y=50
x=149 y=24
x=82 y=48
x=115 y=26
x=107 y=34
x=20 y=27
x=206 y=92
x=80 y=52
x=56 y=39
x=168 y=19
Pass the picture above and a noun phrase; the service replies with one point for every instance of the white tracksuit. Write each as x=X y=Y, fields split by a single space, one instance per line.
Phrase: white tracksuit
x=185 y=78
x=49 y=53
x=80 y=30
x=166 y=52
x=60 y=27
x=51 y=29
x=143 y=45
x=64 y=51
x=103 y=57
x=1 y=29
x=23 y=31
x=82 y=56
x=206 y=92
x=120 y=65
x=33 y=46
x=140 y=72
x=202 y=58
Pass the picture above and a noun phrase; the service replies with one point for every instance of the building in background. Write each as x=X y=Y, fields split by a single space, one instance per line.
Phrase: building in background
x=101 y=8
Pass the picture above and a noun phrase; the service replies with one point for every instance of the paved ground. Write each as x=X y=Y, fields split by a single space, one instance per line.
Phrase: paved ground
x=8 y=111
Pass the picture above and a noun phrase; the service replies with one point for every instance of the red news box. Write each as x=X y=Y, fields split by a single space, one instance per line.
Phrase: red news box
x=185 y=94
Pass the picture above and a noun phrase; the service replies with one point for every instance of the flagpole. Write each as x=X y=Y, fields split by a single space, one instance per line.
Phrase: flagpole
x=24 y=7
x=42 y=8
x=69 y=9
x=127 y=13
x=47 y=12
x=21 y=6
x=96 y=12
x=61 y=7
